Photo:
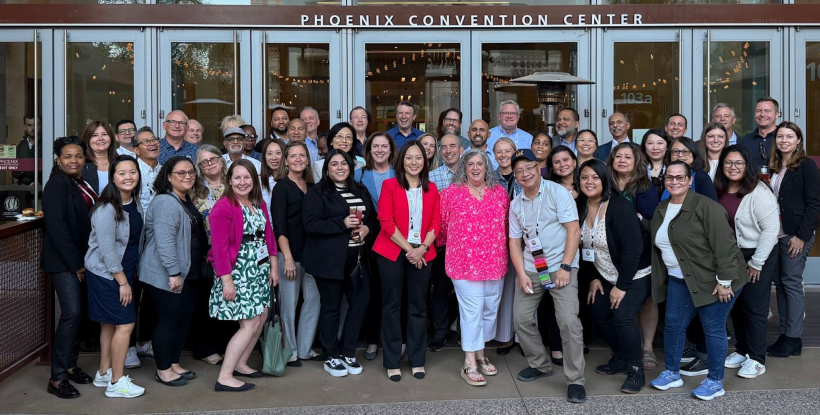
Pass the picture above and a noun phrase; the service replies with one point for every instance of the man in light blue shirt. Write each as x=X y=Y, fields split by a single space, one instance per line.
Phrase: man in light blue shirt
x=725 y=114
x=404 y=131
x=478 y=133
x=311 y=118
x=566 y=129
x=509 y=113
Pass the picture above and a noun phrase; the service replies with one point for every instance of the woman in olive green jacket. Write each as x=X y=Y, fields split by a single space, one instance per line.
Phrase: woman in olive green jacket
x=697 y=268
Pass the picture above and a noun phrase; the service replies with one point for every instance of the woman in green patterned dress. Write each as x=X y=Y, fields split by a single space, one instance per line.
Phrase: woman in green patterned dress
x=242 y=244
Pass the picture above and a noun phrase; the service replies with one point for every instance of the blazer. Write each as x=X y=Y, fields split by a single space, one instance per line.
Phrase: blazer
x=90 y=175
x=167 y=246
x=368 y=180
x=800 y=200
x=705 y=246
x=286 y=215
x=645 y=202
x=67 y=225
x=327 y=236
x=108 y=240
x=602 y=153
x=227 y=227
x=394 y=213
x=628 y=253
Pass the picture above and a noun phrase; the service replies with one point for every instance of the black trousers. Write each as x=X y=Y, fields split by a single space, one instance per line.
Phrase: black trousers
x=65 y=349
x=618 y=326
x=146 y=315
x=373 y=317
x=330 y=299
x=174 y=313
x=441 y=287
x=208 y=335
x=751 y=311
x=397 y=277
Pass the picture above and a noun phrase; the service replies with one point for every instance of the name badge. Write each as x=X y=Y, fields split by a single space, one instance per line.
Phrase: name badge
x=262 y=253
x=534 y=244
x=588 y=254
x=414 y=237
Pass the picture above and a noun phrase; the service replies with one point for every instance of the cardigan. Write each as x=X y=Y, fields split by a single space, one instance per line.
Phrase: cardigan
x=286 y=213
x=227 y=227
x=394 y=213
x=108 y=240
x=327 y=236
x=705 y=246
x=800 y=200
x=167 y=247
x=757 y=224
x=67 y=225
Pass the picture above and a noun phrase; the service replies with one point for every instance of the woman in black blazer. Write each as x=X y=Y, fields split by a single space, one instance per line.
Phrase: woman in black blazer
x=67 y=199
x=339 y=214
x=796 y=184
x=616 y=265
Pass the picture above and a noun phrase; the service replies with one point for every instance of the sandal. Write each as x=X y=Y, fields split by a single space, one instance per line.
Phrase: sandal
x=650 y=361
x=486 y=368
x=467 y=371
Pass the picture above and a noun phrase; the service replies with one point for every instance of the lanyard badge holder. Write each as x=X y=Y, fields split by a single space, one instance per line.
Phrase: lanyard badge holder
x=537 y=251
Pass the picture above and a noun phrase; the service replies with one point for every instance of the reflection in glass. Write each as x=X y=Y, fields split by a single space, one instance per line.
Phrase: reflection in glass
x=254 y=2
x=646 y=86
x=502 y=62
x=691 y=2
x=427 y=74
x=470 y=2
x=738 y=76
x=203 y=84
x=72 y=1
x=298 y=77
x=99 y=83
x=812 y=133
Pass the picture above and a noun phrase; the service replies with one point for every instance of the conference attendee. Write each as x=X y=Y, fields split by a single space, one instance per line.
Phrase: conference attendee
x=544 y=217
x=231 y=121
x=342 y=137
x=212 y=170
x=509 y=113
x=173 y=252
x=322 y=145
x=243 y=256
x=504 y=150
x=655 y=147
x=442 y=285
x=311 y=118
x=586 y=146
x=404 y=130
x=250 y=141
x=619 y=126
x=753 y=215
x=174 y=144
x=541 y=147
x=474 y=224
x=430 y=144
x=146 y=147
x=99 y=154
x=272 y=151
x=616 y=266
x=235 y=143
x=338 y=215
x=279 y=119
x=761 y=141
x=293 y=180
x=562 y=166
x=379 y=153
x=710 y=146
x=111 y=267
x=449 y=122
x=685 y=150
x=478 y=133
x=194 y=134
x=25 y=148
x=566 y=128
x=297 y=130
x=125 y=130
x=627 y=166
x=796 y=185
x=698 y=270
x=410 y=220
x=360 y=119
x=725 y=115
x=67 y=199
x=675 y=127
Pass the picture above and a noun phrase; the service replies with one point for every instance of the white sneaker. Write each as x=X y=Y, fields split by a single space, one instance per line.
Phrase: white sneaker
x=102 y=381
x=353 y=367
x=123 y=389
x=146 y=350
x=735 y=360
x=131 y=359
x=335 y=367
x=751 y=369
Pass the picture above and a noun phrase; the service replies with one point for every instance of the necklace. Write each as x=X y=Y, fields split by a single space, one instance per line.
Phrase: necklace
x=479 y=190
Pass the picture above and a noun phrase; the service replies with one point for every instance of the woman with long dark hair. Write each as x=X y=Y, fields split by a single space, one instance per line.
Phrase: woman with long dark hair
x=100 y=152
x=272 y=151
x=655 y=147
x=342 y=137
x=562 y=165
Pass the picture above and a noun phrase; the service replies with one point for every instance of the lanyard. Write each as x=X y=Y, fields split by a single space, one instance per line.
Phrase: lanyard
x=537 y=212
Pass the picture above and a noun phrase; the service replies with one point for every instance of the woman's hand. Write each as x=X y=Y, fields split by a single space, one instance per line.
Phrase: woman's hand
x=754 y=274
x=724 y=294
x=125 y=294
x=361 y=233
x=175 y=284
x=274 y=276
x=228 y=288
x=594 y=286
x=81 y=274
x=416 y=257
x=351 y=222
x=615 y=297
x=290 y=268
x=795 y=247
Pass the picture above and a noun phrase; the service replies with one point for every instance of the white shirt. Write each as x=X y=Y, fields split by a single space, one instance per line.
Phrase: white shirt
x=266 y=195
x=414 y=202
x=256 y=163
x=662 y=242
x=125 y=152
x=147 y=177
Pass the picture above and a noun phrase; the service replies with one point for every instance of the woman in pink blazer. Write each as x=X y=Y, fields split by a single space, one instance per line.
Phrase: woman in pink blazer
x=410 y=220
x=242 y=246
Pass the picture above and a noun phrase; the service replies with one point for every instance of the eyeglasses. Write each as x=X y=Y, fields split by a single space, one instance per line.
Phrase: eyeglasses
x=684 y=153
x=671 y=179
x=148 y=141
x=509 y=114
x=127 y=131
x=179 y=123
x=344 y=137
x=251 y=137
x=451 y=120
x=527 y=169
x=182 y=173
x=235 y=139
x=763 y=154
x=208 y=162
x=740 y=164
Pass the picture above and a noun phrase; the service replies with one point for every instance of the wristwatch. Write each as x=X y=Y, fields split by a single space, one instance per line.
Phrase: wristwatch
x=566 y=267
x=426 y=248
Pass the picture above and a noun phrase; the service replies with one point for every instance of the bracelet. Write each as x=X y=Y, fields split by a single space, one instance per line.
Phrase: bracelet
x=123 y=285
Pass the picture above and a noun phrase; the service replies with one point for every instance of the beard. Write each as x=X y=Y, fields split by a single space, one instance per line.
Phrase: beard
x=567 y=133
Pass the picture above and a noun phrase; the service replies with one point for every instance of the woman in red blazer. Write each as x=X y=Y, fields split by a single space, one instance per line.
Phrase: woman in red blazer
x=410 y=220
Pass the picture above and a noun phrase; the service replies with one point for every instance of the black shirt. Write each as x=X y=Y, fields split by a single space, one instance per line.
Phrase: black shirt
x=199 y=240
x=286 y=214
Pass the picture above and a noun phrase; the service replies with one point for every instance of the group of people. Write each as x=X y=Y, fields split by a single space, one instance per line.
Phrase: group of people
x=374 y=231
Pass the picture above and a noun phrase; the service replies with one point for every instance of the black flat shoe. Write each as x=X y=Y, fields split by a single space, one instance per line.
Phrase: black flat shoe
x=222 y=388
x=792 y=346
x=371 y=355
x=295 y=363
x=176 y=382
x=419 y=375
x=79 y=377
x=394 y=378
x=63 y=390
x=576 y=394
x=505 y=350
x=188 y=375
x=557 y=361
x=255 y=375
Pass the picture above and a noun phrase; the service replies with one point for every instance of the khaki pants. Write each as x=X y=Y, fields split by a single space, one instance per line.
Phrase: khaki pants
x=566 y=313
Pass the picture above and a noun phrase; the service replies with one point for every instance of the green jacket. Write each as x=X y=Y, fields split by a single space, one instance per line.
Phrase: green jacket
x=705 y=246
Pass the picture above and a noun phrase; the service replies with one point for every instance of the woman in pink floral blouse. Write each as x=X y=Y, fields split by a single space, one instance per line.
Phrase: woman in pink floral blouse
x=473 y=222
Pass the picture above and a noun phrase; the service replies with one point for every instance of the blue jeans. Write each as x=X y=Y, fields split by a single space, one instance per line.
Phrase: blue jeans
x=680 y=310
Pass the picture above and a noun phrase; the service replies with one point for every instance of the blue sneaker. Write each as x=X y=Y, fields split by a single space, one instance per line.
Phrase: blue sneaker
x=667 y=379
x=708 y=390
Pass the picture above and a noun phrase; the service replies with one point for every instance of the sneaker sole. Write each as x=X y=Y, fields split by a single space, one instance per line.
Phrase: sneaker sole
x=733 y=365
x=676 y=384
x=697 y=373
x=336 y=373
x=354 y=371
x=686 y=359
x=710 y=397
x=532 y=379
x=133 y=366
x=752 y=375
x=101 y=384
x=121 y=395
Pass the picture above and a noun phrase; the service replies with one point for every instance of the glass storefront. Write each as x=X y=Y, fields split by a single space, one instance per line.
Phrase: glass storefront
x=812 y=74
x=298 y=76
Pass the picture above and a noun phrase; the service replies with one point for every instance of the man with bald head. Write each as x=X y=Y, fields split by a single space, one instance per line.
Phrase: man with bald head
x=194 y=135
x=174 y=144
x=619 y=128
x=478 y=134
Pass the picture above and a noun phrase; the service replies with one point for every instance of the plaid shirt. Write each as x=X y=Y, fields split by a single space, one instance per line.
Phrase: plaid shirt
x=442 y=177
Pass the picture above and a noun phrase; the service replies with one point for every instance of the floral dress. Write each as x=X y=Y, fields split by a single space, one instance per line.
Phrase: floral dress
x=250 y=278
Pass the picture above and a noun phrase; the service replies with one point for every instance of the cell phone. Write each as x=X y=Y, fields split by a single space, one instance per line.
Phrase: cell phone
x=529 y=289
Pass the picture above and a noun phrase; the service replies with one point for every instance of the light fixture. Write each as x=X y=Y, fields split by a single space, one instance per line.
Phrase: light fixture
x=551 y=91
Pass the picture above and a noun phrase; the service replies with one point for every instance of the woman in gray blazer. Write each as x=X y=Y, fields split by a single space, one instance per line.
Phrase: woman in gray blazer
x=175 y=243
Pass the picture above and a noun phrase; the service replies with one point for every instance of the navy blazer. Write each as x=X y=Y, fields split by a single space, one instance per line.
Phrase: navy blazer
x=799 y=200
x=603 y=151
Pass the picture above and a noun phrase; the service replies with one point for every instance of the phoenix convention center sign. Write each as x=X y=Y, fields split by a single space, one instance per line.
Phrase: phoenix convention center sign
x=457 y=20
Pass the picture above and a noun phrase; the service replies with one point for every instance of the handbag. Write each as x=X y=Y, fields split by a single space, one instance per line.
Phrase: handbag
x=275 y=348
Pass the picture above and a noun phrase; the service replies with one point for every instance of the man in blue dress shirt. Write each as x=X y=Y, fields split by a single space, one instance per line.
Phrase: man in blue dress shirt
x=509 y=113
x=404 y=131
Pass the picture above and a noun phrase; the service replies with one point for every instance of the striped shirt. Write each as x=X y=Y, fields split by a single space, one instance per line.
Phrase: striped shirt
x=353 y=202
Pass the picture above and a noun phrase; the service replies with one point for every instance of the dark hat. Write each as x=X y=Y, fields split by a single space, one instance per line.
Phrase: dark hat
x=234 y=131
x=523 y=154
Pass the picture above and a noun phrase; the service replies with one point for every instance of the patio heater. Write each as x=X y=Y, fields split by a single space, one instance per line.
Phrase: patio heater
x=551 y=90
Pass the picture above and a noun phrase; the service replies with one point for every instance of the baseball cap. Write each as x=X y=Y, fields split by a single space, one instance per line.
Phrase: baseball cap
x=523 y=154
x=234 y=131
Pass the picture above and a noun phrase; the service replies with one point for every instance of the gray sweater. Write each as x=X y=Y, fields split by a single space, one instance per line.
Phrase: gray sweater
x=167 y=242
x=108 y=240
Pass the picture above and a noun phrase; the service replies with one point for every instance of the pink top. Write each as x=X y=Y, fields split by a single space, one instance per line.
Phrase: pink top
x=476 y=233
x=227 y=225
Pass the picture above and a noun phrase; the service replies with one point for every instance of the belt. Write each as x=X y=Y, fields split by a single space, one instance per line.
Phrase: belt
x=247 y=238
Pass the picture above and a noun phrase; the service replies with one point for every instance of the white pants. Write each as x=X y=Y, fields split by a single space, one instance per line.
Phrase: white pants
x=478 y=307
